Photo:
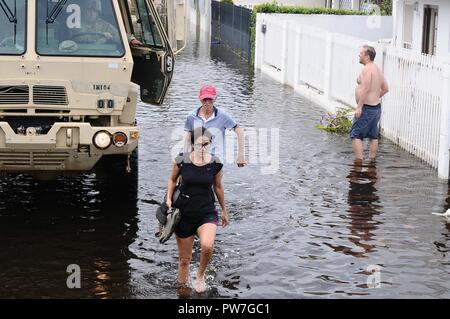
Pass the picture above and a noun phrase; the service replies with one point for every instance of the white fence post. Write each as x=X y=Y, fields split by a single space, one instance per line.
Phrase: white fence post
x=443 y=164
x=284 y=55
x=327 y=66
x=335 y=4
x=298 y=52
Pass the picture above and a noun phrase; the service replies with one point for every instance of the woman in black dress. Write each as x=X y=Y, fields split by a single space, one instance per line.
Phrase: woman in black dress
x=201 y=178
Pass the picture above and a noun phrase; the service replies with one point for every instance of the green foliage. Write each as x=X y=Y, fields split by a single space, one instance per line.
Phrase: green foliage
x=275 y=8
x=252 y=36
x=227 y=1
x=339 y=123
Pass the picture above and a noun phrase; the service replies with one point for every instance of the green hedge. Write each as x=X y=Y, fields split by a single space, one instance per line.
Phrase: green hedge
x=275 y=8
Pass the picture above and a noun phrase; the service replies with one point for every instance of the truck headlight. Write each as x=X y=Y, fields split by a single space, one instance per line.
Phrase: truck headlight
x=102 y=140
x=120 y=139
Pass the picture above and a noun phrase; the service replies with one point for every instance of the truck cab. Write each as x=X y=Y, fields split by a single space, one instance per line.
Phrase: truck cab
x=71 y=81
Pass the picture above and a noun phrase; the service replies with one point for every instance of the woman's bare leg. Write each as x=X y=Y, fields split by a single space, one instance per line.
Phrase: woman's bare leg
x=207 y=234
x=184 y=258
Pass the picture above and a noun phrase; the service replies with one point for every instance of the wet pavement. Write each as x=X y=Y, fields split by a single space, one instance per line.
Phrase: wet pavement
x=318 y=226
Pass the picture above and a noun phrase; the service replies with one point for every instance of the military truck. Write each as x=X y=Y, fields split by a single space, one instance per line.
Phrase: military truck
x=71 y=81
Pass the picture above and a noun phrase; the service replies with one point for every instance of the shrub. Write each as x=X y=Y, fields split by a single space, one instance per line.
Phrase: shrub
x=275 y=8
x=339 y=123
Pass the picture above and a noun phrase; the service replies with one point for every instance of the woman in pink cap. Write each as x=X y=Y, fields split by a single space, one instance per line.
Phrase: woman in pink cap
x=217 y=121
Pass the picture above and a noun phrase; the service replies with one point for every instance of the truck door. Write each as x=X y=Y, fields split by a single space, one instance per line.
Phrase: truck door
x=153 y=62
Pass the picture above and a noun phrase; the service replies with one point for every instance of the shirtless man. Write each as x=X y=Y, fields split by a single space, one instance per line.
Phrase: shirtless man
x=372 y=86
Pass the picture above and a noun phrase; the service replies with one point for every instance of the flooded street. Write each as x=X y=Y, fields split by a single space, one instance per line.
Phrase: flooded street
x=317 y=227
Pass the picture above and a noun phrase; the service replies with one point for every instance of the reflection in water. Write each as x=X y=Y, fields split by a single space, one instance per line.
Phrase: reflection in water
x=47 y=226
x=363 y=205
x=184 y=291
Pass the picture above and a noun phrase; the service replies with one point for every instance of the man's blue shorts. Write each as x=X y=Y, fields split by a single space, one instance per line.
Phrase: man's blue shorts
x=367 y=124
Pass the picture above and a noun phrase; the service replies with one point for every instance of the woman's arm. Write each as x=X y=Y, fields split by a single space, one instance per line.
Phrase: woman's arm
x=171 y=184
x=218 y=190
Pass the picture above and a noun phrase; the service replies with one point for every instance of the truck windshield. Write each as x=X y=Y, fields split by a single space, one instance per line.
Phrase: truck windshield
x=78 y=28
x=12 y=27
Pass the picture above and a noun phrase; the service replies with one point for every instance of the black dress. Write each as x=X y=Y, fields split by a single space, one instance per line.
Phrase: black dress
x=197 y=183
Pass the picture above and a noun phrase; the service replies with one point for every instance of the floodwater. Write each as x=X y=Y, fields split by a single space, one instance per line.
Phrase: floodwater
x=315 y=225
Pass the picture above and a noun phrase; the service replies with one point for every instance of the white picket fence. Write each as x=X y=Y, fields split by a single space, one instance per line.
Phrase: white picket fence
x=415 y=111
x=412 y=110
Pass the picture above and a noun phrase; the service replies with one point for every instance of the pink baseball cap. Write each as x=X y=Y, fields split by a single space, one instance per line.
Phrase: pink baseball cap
x=207 y=92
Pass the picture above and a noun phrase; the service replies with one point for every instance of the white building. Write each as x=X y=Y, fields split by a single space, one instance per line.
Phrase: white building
x=422 y=25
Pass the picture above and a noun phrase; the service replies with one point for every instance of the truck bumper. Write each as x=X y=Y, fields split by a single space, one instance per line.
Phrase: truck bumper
x=66 y=147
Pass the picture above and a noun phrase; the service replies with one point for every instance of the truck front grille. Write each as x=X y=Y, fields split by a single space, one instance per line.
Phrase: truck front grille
x=50 y=95
x=14 y=94
x=32 y=159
